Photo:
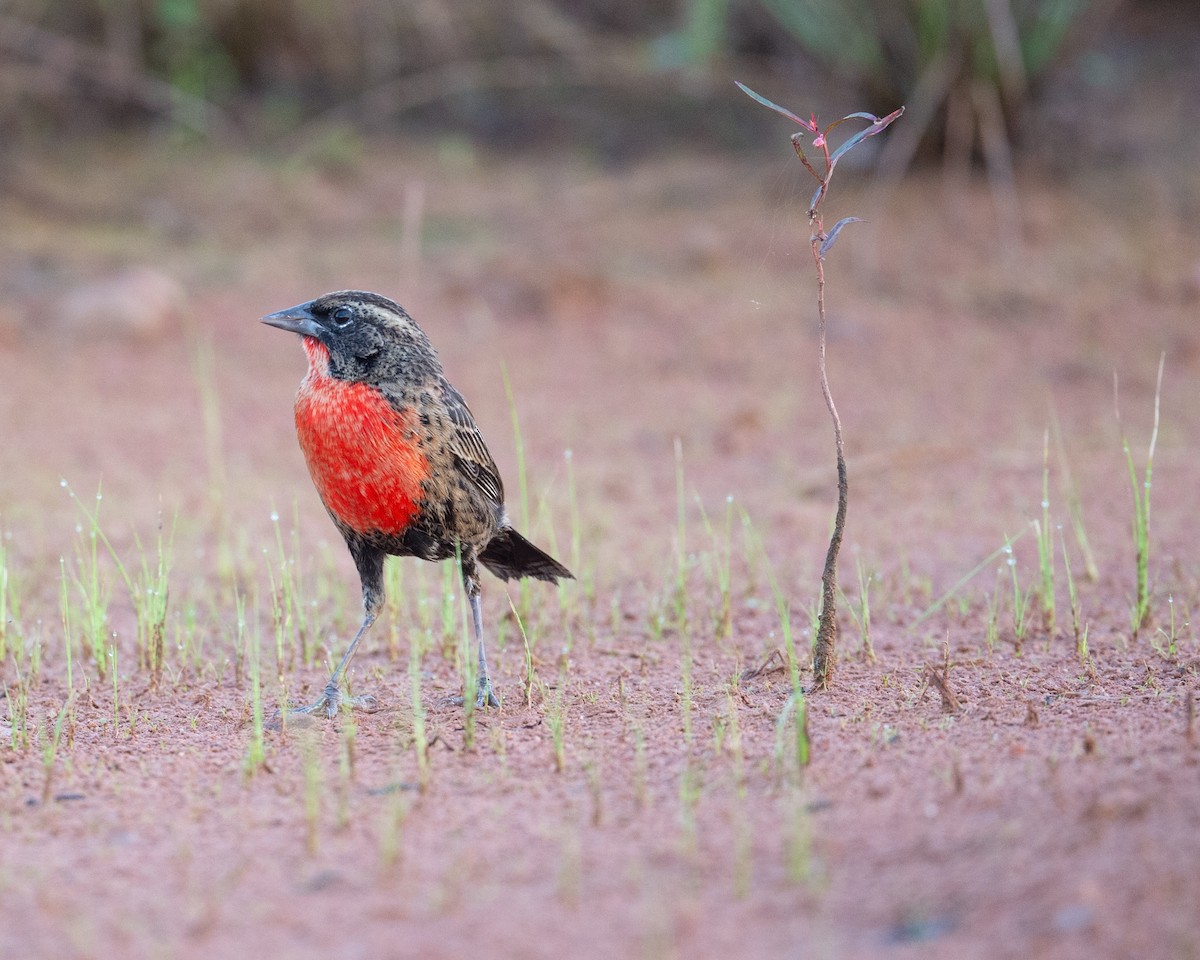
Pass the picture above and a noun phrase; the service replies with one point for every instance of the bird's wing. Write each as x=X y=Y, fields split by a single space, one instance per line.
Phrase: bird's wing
x=470 y=452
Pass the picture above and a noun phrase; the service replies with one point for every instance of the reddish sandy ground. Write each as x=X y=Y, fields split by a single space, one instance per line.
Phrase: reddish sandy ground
x=1054 y=811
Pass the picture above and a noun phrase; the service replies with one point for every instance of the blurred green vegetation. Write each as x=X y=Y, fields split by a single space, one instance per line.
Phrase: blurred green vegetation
x=983 y=60
x=890 y=45
x=255 y=68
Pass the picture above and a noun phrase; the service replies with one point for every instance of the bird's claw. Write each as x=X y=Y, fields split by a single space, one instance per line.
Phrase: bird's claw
x=332 y=699
x=485 y=696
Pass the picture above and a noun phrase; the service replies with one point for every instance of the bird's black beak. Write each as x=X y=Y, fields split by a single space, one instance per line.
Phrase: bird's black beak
x=298 y=319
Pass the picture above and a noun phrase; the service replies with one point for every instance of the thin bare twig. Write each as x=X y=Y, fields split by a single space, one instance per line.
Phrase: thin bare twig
x=941 y=683
x=775 y=662
x=824 y=648
x=824 y=651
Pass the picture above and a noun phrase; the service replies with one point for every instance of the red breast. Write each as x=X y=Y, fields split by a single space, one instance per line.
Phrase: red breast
x=362 y=452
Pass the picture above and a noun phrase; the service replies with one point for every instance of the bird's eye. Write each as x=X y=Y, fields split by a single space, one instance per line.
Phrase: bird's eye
x=343 y=317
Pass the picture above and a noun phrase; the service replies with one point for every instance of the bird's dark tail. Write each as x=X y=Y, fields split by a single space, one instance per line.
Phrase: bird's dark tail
x=510 y=556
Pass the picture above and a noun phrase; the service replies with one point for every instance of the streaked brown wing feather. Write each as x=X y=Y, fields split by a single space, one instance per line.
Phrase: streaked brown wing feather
x=470 y=452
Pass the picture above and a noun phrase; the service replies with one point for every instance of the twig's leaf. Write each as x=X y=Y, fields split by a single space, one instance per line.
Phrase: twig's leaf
x=798 y=144
x=850 y=116
x=878 y=125
x=829 y=241
x=774 y=106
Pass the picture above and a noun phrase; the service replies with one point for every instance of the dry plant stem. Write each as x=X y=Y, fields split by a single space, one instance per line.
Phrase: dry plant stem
x=824 y=653
x=941 y=682
x=824 y=657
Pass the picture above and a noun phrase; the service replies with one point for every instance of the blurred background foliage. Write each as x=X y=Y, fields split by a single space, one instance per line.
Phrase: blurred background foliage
x=524 y=70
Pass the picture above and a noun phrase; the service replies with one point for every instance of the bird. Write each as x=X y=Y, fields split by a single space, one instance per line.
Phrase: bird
x=398 y=462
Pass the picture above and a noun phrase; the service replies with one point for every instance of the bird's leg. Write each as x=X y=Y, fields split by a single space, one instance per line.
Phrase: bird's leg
x=370 y=568
x=332 y=698
x=485 y=696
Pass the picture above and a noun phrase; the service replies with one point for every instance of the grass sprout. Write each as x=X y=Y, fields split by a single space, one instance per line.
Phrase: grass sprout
x=861 y=609
x=798 y=837
x=1169 y=633
x=793 y=715
x=310 y=761
x=691 y=785
x=94 y=595
x=530 y=674
x=9 y=600
x=420 y=740
x=1078 y=628
x=1005 y=548
x=50 y=748
x=468 y=661
x=743 y=838
x=65 y=610
x=582 y=571
x=523 y=588
x=452 y=623
x=346 y=760
x=148 y=586
x=685 y=679
x=1140 y=610
x=291 y=614
x=391 y=831
x=250 y=642
x=1021 y=600
x=1074 y=505
x=17 y=699
x=556 y=717
x=1044 y=537
x=720 y=562
x=679 y=595
x=116 y=693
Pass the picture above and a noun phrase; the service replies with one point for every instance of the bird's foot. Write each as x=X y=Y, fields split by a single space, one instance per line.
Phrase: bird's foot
x=332 y=699
x=485 y=696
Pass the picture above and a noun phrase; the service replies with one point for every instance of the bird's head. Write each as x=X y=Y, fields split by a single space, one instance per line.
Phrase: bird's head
x=354 y=335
